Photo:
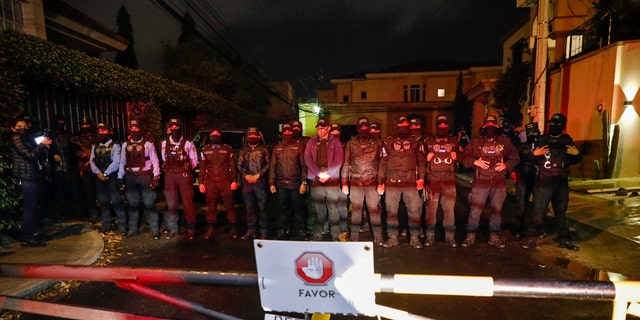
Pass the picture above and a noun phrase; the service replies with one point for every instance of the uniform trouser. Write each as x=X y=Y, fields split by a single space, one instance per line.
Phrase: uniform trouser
x=442 y=188
x=88 y=193
x=408 y=193
x=137 y=190
x=30 y=194
x=485 y=187
x=325 y=201
x=291 y=211
x=524 y=189
x=179 y=184
x=556 y=191
x=361 y=196
x=110 y=196
x=254 y=196
x=215 y=190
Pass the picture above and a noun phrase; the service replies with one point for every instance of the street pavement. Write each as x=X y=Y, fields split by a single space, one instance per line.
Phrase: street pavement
x=605 y=221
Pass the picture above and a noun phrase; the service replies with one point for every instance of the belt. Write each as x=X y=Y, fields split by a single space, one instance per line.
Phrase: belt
x=139 y=173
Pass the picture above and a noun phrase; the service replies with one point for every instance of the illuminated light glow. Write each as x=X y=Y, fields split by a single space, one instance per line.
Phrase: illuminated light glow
x=316 y=109
x=444 y=285
x=625 y=75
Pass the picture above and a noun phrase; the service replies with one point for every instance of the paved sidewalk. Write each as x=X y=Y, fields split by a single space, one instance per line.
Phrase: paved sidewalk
x=72 y=243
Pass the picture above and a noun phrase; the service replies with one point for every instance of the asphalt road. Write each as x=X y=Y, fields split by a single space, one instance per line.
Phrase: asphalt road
x=235 y=255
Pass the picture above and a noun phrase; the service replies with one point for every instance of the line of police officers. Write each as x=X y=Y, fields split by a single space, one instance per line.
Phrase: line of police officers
x=378 y=175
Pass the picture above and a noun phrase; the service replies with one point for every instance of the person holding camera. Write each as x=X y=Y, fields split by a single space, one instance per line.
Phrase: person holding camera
x=26 y=154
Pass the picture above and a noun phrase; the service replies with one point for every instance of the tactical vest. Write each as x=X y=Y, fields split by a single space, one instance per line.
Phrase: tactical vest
x=493 y=151
x=135 y=153
x=217 y=160
x=102 y=155
x=175 y=157
x=554 y=162
x=401 y=161
x=442 y=149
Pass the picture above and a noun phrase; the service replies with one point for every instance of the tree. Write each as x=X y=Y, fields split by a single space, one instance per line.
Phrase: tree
x=511 y=92
x=126 y=58
x=201 y=63
x=462 y=109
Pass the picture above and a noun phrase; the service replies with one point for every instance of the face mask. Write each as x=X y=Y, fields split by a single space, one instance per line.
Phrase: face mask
x=531 y=139
x=287 y=138
x=254 y=141
x=403 y=132
x=490 y=131
x=442 y=132
x=216 y=139
x=103 y=138
x=364 y=134
x=136 y=135
x=175 y=134
x=375 y=135
x=22 y=131
x=415 y=132
x=297 y=134
x=555 y=129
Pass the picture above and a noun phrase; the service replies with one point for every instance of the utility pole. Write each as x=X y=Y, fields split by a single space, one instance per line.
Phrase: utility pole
x=540 y=74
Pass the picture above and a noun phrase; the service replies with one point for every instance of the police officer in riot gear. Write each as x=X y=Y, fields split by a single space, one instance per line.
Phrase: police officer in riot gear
x=442 y=155
x=288 y=178
x=140 y=167
x=105 y=163
x=179 y=158
x=492 y=155
x=402 y=173
x=218 y=179
x=360 y=180
x=253 y=164
x=554 y=152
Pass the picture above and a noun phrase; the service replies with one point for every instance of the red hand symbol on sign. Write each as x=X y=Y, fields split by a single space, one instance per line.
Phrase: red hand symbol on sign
x=314 y=268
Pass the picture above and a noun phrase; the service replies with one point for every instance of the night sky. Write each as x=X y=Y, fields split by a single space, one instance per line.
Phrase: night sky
x=297 y=40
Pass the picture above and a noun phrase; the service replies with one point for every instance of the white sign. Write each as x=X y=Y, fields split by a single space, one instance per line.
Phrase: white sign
x=269 y=316
x=316 y=277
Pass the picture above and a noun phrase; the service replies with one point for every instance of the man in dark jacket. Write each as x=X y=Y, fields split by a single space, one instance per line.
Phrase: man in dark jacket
x=218 y=179
x=324 y=156
x=492 y=155
x=253 y=164
x=288 y=178
x=360 y=180
x=554 y=152
x=26 y=153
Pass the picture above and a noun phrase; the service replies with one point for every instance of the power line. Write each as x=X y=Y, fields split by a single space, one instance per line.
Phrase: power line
x=234 y=63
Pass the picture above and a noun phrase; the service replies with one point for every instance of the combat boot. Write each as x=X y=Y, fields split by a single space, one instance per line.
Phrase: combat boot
x=211 y=231
x=392 y=241
x=250 y=235
x=233 y=230
x=354 y=235
x=191 y=234
x=430 y=237
x=449 y=238
x=470 y=240
x=414 y=241
x=495 y=241
x=377 y=236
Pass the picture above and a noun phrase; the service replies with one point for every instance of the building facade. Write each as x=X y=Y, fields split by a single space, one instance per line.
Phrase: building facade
x=426 y=91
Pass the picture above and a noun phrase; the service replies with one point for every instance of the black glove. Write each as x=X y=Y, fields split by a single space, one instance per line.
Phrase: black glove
x=155 y=182
x=120 y=184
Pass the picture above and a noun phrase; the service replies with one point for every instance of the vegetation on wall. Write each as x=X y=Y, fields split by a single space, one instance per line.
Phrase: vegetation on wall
x=25 y=59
